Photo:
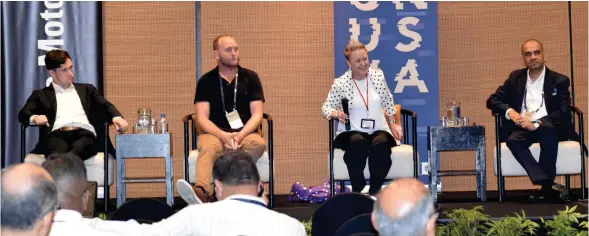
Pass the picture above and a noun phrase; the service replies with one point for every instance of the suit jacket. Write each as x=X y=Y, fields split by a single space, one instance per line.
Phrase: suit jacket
x=343 y=87
x=97 y=109
x=557 y=100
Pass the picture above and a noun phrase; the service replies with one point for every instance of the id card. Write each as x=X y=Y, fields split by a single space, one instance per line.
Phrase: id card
x=367 y=123
x=234 y=119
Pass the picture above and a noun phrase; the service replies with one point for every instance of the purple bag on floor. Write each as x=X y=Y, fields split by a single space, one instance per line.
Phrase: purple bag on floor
x=316 y=194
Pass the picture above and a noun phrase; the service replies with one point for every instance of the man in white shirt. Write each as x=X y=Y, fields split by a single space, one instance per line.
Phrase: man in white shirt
x=70 y=115
x=239 y=212
x=536 y=103
x=29 y=199
x=69 y=174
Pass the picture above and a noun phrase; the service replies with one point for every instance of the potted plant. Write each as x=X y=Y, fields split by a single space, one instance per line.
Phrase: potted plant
x=512 y=226
x=464 y=222
x=565 y=223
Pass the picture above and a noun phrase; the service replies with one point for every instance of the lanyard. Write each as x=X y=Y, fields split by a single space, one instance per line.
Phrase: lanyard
x=234 y=93
x=362 y=96
x=250 y=201
x=525 y=98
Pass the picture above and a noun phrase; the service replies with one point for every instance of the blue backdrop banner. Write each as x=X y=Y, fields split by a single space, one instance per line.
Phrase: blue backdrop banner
x=29 y=31
x=402 y=40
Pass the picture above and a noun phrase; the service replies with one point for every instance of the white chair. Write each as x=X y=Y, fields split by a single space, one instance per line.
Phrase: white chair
x=570 y=158
x=265 y=164
x=95 y=166
x=404 y=157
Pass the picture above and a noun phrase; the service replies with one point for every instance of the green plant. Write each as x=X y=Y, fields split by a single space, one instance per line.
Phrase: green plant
x=564 y=223
x=584 y=225
x=102 y=216
x=464 y=222
x=308 y=226
x=512 y=226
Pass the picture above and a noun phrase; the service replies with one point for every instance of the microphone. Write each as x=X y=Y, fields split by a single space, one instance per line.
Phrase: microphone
x=347 y=112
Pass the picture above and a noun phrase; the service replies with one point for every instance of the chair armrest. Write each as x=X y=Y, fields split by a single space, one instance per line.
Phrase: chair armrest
x=267 y=117
x=188 y=117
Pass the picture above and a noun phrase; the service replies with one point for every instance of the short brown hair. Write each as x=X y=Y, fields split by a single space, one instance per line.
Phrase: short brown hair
x=216 y=41
x=55 y=58
x=353 y=45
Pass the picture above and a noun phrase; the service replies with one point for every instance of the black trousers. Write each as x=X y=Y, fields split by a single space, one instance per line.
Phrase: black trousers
x=542 y=172
x=359 y=146
x=80 y=142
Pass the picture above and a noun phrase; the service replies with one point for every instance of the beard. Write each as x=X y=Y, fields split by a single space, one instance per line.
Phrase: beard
x=229 y=63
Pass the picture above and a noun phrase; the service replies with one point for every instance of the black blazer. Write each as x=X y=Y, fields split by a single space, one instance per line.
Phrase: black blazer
x=97 y=108
x=557 y=100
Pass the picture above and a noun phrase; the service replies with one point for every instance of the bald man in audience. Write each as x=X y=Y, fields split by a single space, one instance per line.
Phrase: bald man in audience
x=29 y=200
x=404 y=208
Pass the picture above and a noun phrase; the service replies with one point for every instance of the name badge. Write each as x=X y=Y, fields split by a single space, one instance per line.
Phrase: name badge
x=367 y=123
x=234 y=120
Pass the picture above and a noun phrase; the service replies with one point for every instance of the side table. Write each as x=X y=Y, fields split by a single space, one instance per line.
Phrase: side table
x=132 y=146
x=465 y=138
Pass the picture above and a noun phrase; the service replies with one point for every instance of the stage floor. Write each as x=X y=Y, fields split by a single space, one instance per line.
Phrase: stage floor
x=515 y=202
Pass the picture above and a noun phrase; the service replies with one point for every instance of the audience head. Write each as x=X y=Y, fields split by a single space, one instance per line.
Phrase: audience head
x=357 y=59
x=533 y=54
x=235 y=172
x=69 y=174
x=404 y=208
x=59 y=65
x=29 y=200
x=226 y=51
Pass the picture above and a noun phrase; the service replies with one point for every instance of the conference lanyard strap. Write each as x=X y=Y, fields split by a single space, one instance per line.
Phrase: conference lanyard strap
x=234 y=93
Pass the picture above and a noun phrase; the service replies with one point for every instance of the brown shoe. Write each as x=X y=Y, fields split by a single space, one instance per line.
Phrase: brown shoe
x=203 y=195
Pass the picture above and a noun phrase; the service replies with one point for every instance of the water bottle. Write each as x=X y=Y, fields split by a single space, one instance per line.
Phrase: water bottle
x=163 y=124
x=152 y=128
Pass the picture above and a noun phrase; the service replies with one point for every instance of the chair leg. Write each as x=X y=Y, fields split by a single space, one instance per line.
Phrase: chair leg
x=501 y=183
x=342 y=186
x=567 y=184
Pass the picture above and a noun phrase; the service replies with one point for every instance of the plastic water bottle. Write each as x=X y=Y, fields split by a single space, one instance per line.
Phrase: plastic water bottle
x=163 y=124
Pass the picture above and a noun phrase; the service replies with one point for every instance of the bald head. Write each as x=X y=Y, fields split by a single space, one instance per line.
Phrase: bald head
x=28 y=195
x=405 y=208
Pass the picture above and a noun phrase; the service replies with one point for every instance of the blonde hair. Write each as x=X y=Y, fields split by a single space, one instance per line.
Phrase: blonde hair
x=353 y=45
x=216 y=40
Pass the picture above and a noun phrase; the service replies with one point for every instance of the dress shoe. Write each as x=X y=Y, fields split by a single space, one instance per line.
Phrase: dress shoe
x=203 y=195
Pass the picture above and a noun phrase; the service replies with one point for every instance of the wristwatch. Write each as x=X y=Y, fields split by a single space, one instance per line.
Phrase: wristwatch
x=537 y=124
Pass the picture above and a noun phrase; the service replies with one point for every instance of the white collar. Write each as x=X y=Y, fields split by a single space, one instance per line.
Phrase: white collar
x=59 y=89
x=371 y=73
x=247 y=197
x=540 y=78
x=66 y=215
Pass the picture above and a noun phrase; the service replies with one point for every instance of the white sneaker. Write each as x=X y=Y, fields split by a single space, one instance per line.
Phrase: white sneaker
x=186 y=192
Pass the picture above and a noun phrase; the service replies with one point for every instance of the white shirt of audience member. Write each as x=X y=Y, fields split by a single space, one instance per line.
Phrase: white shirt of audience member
x=69 y=222
x=236 y=215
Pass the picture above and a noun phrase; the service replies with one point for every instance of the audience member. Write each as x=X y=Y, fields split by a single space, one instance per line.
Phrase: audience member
x=29 y=200
x=404 y=208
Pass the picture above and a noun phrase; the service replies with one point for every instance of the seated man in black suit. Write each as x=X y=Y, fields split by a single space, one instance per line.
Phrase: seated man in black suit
x=537 y=103
x=70 y=115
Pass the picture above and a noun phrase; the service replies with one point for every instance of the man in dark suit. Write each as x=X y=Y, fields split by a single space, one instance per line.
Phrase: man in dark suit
x=537 y=104
x=70 y=115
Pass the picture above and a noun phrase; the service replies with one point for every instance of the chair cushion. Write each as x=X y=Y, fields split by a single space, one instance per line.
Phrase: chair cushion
x=94 y=166
x=402 y=166
x=568 y=161
x=263 y=165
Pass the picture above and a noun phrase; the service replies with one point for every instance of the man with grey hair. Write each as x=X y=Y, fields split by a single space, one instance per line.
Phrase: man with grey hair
x=404 y=208
x=69 y=174
x=29 y=200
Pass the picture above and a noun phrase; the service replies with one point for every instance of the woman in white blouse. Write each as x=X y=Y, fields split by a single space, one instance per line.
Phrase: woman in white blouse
x=369 y=136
